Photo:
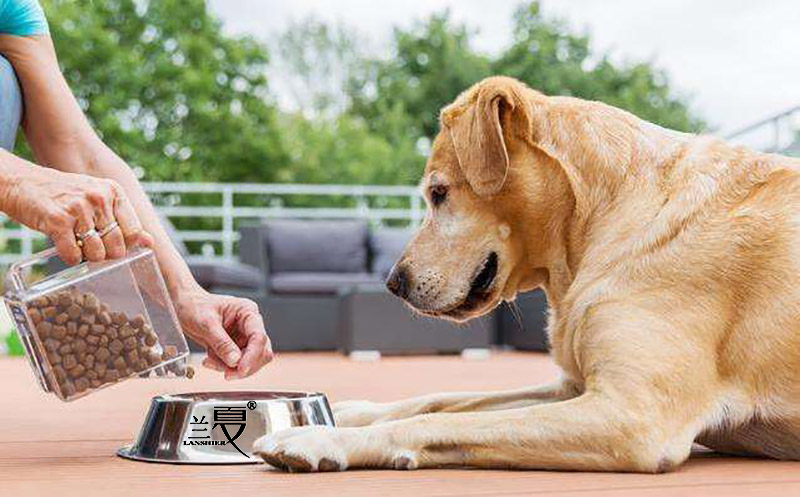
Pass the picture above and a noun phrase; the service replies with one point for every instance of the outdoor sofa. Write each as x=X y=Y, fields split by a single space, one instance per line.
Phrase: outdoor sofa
x=323 y=289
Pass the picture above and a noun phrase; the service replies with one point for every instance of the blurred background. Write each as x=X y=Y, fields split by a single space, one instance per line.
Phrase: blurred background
x=235 y=111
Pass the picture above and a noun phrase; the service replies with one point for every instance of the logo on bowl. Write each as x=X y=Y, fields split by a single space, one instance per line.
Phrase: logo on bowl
x=227 y=419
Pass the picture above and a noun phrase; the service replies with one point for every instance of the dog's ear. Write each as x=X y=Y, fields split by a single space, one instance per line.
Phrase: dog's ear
x=476 y=131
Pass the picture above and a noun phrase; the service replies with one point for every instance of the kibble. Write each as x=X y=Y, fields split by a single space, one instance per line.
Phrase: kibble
x=44 y=328
x=49 y=312
x=119 y=318
x=138 y=322
x=87 y=344
x=81 y=384
x=59 y=332
x=36 y=316
x=104 y=318
x=74 y=311
x=130 y=343
x=65 y=300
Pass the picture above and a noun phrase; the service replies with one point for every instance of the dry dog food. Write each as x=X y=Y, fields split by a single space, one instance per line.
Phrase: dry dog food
x=89 y=344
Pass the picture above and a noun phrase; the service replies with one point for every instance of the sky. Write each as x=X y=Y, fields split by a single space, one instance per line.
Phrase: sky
x=736 y=60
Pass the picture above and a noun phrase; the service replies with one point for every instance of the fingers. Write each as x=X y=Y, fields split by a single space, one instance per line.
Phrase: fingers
x=214 y=362
x=258 y=351
x=93 y=206
x=72 y=232
x=132 y=231
x=221 y=344
x=67 y=246
x=104 y=220
x=87 y=238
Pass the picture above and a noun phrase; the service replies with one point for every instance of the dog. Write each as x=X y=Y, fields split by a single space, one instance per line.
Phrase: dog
x=671 y=263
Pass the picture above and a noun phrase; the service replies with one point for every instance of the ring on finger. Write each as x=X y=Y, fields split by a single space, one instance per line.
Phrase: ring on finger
x=83 y=236
x=108 y=229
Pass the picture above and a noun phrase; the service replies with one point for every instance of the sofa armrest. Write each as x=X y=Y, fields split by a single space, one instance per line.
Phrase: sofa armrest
x=215 y=275
x=253 y=250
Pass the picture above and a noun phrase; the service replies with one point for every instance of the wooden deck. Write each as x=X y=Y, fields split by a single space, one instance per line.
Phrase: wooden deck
x=53 y=449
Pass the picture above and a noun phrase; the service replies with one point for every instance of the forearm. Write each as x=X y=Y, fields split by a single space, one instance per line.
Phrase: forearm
x=12 y=170
x=61 y=137
x=10 y=173
x=106 y=164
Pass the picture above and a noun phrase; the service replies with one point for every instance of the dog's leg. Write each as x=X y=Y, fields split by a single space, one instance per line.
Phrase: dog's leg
x=590 y=432
x=363 y=413
x=647 y=396
x=778 y=439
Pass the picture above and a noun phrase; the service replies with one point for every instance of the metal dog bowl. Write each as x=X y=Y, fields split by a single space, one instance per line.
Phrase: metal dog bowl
x=220 y=427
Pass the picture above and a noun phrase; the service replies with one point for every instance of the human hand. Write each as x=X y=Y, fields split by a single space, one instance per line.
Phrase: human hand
x=86 y=217
x=230 y=328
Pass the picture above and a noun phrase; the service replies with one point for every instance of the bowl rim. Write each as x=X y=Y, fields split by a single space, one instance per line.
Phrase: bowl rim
x=241 y=395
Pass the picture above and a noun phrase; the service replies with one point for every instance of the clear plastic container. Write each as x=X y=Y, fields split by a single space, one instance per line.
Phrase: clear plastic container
x=96 y=324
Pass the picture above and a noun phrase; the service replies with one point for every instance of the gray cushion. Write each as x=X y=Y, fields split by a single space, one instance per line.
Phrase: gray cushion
x=317 y=283
x=212 y=275
x=317 y=246
x=387 y=246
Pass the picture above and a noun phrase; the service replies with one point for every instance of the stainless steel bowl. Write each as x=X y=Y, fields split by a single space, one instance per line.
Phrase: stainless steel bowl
x=220 y=427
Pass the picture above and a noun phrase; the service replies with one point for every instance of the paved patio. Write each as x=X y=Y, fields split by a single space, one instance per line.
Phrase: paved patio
x=53 y=449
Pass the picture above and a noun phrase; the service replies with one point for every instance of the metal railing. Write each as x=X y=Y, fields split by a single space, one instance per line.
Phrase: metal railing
x=778 y=133
x=226 y=205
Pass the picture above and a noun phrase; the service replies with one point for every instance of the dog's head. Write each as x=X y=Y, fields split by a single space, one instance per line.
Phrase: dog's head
x=489 y=199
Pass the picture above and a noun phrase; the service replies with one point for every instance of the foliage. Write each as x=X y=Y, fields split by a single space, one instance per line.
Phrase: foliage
x=167 y=90
x=431 y=64
x=13 y=345
x=550 y=59
x=434 y=62
x=313 y=62
x=343 y=150
x=177 y=98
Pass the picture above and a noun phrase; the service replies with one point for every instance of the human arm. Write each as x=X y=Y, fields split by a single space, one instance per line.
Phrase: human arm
x=61 y=137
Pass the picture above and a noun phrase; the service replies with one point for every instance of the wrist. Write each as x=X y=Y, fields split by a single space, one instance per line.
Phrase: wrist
x=11 y=175
x=178 y=277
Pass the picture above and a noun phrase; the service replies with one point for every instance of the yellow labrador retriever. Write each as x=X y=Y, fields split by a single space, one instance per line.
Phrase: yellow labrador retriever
x=672 y=266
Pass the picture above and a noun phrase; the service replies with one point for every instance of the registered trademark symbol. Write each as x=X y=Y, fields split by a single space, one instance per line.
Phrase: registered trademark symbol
x=251 y=404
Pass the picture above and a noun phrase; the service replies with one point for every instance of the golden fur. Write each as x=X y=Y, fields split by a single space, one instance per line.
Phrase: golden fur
x=672 y=269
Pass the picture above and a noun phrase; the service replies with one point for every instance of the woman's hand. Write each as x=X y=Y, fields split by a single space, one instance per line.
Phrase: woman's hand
x=230 y=328
x=86 y=217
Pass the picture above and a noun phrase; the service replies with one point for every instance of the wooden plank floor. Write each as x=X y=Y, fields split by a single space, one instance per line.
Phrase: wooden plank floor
x=53 y=449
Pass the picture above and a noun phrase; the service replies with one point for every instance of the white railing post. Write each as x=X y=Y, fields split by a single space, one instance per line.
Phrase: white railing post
x=416 y=210
x=227 y=222
x=26 y=242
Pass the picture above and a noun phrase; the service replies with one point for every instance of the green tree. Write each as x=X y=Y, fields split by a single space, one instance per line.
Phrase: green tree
x=312 y=61
x=434 y=61
x=551 y=59
x=316 y=63
x=167 y=90
x=343 y=150
x=430 y=65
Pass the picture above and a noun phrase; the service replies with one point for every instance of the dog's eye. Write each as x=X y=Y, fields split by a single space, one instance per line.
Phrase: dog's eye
x=438 y=194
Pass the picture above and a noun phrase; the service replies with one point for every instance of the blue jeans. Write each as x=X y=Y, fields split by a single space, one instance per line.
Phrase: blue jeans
x=10 y=104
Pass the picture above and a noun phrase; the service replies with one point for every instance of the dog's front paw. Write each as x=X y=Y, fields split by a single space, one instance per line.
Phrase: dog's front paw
x=353 y=413
x=304 y=449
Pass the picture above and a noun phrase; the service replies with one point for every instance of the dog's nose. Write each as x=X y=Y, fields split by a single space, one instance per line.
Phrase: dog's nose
x=397 y=282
